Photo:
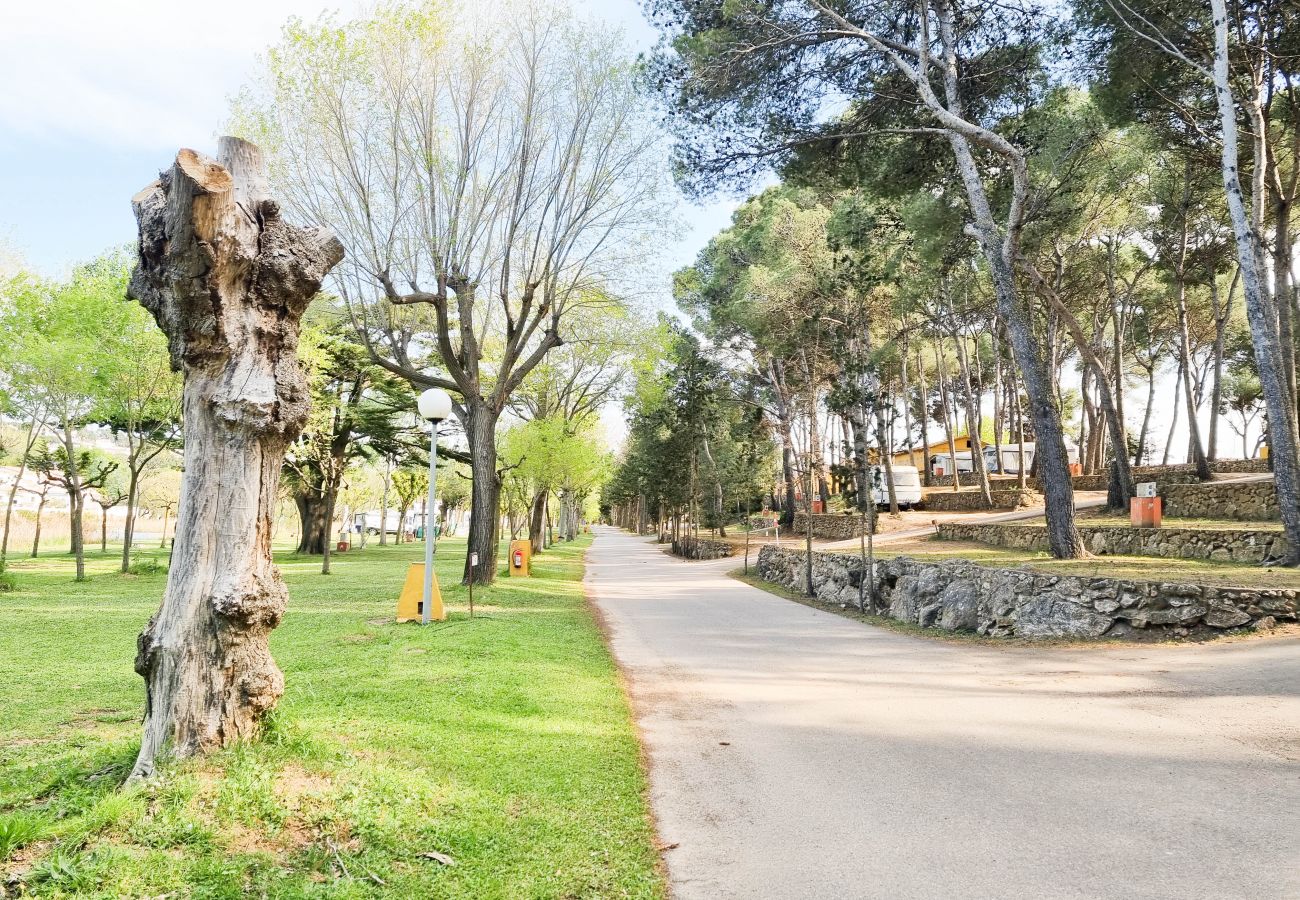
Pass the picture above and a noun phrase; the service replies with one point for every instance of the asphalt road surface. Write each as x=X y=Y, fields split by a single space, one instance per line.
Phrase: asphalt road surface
x=796 y=753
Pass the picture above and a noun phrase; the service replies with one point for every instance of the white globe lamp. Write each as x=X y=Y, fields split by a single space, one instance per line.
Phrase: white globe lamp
x=434 y=405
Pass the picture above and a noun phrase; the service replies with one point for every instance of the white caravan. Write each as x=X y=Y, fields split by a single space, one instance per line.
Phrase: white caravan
x=369 y=522
x=907 y=486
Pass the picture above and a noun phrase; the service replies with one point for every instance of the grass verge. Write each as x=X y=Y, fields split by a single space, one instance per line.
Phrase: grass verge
x=492 y=757
x=1104 y=517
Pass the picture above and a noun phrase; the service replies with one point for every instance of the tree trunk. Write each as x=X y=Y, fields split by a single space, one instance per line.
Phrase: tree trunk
x=1122 y=490
x=904 y=389
x=998 y=398
x=1284 y=454
x=103 y=529
x=36 y=537
x=1185 y=366
x=857 y=420
x=9 y=513
x=1000 y=252
x=1173 y=418
x=1222 y=311
x=537 y=521
x=485 y=492
x=228 y=281
x=331 y=493
x=402 y=513
x=314 y=530
x=34 y=428
x=719 y=502
x=947 y=416
x=76 y=501
x=924 y=389
x=886 y=459
x=383 y=504
x=972 y=417
x=128 y=529
x=1141 y=453
x=785 y=426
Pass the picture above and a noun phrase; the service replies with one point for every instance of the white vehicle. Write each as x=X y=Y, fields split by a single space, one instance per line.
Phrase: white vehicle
x=941 y=464
x=369 y=522
x=1010 y=463
x=907 y=486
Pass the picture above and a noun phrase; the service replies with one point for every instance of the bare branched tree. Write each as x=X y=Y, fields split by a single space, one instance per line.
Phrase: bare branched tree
x=487 y=176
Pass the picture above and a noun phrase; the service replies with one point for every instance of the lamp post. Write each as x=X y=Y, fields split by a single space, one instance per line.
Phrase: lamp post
x=435 y=405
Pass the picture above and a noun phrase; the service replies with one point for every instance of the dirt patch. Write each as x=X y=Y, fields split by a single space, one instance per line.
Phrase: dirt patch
x=293 y=836
x=21 y=860
x=295 y=782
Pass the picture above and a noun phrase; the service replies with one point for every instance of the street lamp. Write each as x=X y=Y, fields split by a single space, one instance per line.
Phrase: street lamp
x=435 y=405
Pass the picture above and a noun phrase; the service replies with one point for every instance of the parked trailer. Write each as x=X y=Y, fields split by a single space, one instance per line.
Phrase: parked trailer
x=907 y=486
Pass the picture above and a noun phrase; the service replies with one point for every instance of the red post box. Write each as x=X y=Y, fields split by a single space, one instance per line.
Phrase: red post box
x=1144 y=512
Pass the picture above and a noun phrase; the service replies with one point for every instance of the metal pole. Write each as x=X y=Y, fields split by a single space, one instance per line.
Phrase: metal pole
x=747 y=524
x=427 y=613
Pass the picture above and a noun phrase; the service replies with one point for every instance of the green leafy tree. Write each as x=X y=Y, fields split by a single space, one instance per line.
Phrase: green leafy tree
x=411 y=484
x=358 y=411
x=22 y=390
x=138 y=393
x=747 y=85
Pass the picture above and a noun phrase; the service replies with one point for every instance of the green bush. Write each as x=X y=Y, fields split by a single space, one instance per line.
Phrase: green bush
x=145 y=565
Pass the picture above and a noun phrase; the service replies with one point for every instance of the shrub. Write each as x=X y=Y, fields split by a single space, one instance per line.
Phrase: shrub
x=145 y=565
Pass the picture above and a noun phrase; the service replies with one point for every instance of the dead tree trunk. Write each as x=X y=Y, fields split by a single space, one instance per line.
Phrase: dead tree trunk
x=228 y=281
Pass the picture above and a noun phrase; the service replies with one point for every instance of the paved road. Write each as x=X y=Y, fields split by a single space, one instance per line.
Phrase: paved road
x=795 y=753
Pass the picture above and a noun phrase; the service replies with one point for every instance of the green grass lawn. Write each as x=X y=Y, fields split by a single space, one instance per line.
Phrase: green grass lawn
x=503 y=744
x=1104 y=517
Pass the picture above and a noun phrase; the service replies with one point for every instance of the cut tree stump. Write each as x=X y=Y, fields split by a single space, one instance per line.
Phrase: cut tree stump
x=228 y=281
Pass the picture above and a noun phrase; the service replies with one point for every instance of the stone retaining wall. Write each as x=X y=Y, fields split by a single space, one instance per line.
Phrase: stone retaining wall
x=690 y=548
x=1182 y=473
x=1228 y=545
x=960 y=596
x=829 y=527
x=1250 y=501
x=968 y=478
x=1239 y=466
x=967 y=500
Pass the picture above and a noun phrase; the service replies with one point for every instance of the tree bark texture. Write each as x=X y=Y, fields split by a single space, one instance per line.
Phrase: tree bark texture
x=227 y=280
x=128 y=530
x=36 y=535
x=485 y=492
x=1261 y=313
x=314 y=526
x=536 y=521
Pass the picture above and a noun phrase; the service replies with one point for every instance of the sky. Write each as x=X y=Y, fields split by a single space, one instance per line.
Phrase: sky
x=99 y=94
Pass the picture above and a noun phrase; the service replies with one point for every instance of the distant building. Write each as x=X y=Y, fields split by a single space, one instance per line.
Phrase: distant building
x=919 y=456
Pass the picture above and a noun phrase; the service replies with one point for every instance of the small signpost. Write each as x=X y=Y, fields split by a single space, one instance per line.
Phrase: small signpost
x=473 y=564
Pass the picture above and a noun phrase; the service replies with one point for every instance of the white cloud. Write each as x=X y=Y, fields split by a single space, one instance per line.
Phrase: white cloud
x=133 y=74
